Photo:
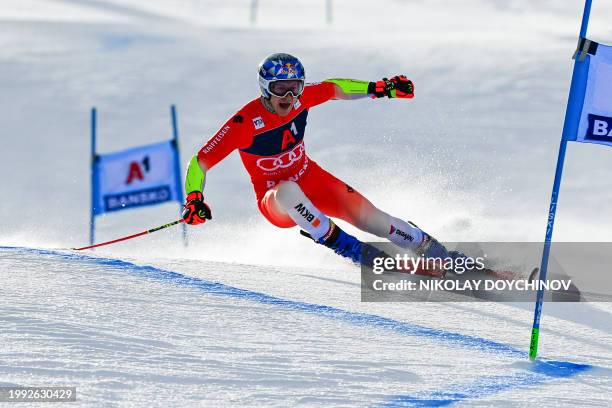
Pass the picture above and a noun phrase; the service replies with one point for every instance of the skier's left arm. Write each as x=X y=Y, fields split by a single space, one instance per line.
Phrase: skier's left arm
x=397 y=87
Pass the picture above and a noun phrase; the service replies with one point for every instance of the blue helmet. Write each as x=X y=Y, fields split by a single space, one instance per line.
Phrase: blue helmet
x=279 y=67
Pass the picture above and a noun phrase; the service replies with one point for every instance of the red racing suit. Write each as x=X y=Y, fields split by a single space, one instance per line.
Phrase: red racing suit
x=272 y=150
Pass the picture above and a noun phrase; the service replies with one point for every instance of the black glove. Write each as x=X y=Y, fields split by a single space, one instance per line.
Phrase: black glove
x=397 y=87
x=196 y=211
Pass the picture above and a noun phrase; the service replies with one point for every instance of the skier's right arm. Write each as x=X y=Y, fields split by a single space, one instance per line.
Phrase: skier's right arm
x=229 y=137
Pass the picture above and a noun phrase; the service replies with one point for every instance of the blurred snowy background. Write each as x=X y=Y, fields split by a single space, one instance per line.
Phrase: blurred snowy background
x=470 y=158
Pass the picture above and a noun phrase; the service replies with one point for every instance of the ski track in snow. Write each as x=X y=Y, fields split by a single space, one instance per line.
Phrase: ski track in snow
x=117 y=353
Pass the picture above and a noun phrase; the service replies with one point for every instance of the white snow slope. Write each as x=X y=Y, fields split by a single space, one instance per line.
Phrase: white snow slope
x=249 y=315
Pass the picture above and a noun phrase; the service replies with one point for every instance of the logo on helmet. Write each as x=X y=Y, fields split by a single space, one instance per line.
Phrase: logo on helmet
x=288 y=69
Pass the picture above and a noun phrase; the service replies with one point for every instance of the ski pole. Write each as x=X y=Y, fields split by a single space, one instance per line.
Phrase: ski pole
x=152 y=230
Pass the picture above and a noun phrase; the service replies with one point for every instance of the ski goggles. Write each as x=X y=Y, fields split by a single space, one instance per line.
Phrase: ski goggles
x=283 y=87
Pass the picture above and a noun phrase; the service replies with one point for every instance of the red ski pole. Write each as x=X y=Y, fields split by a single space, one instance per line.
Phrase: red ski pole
x=131 y=236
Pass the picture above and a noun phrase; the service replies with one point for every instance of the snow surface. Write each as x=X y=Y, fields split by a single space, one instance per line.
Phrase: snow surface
x=471 y=157
x=174 y=335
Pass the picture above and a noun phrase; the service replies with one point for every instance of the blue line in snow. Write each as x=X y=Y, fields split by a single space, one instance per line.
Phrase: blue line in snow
x=537 y=373
x=473 y=342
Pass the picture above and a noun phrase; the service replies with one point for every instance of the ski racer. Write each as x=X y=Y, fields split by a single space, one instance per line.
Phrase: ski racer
x=291 y=189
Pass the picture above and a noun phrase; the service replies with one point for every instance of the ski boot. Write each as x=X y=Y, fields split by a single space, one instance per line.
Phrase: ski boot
x=431 y=248
x=347 y=245
x=340 y=242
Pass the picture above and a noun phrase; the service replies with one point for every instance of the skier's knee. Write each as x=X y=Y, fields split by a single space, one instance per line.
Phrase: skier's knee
x=288 y=193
